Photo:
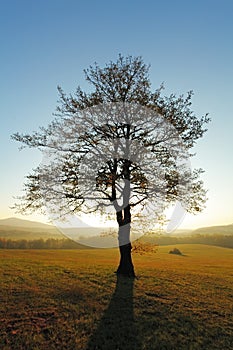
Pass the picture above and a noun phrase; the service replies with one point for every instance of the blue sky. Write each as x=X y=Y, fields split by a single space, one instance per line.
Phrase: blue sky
x=189 y=45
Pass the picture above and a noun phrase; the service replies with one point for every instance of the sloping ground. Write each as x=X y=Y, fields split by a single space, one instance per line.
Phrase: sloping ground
x=36 y=231
x=73 y=300
x=225 y=241
x=24 y=223
x=215 y=230
x=29 y=233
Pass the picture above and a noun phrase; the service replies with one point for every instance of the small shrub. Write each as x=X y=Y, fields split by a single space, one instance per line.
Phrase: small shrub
x=175 y=251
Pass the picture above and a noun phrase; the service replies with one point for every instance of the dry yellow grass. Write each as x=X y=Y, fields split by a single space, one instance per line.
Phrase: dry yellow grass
x=73 y=300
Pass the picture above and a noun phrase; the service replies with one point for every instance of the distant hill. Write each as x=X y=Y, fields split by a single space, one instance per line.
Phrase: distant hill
x=24 y=223
x=214 y=230
x=180 y=232
x=18 y=229
x=14 y=228
x=221 y=236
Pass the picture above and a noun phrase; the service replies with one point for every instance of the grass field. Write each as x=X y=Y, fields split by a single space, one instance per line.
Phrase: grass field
x=73 y=300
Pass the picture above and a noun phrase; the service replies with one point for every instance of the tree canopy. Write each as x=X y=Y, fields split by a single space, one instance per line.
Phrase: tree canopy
x=120 y=149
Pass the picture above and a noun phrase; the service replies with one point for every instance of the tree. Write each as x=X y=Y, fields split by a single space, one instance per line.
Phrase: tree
x=120 y=147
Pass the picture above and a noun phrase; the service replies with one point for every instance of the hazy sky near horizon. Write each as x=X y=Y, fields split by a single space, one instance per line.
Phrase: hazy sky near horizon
x=189 y=46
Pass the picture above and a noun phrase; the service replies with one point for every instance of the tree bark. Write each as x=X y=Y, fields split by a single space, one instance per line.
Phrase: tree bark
x=125 y=267
x=123 y=215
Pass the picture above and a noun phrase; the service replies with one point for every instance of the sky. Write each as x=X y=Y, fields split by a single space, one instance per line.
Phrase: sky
x=188 y=44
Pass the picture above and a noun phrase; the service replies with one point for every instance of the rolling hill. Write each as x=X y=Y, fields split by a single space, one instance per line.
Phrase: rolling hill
x=14 y=228
x=18 y=229
x=24 y=223
x=214 y=230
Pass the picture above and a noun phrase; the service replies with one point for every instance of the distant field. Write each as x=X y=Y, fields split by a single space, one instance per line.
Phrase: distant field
x=71 y=299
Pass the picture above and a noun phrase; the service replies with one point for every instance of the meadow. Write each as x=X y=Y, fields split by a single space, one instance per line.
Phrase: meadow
x=71 y=299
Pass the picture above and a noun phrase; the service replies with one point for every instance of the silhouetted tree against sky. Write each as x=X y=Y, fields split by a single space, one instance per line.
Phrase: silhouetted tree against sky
x=119 y=148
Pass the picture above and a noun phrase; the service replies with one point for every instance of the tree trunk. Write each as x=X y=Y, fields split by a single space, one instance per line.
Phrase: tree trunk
x=123 y=215
x=125 y=267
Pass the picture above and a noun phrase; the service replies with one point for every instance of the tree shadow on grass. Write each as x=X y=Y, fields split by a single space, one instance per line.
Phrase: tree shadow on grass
x=117 y=330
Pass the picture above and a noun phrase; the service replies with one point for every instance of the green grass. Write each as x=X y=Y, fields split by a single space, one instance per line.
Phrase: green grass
x=73 y=300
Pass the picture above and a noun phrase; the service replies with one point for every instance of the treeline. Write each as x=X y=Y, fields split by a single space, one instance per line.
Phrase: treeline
x=49 y=243
x=225 y=241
